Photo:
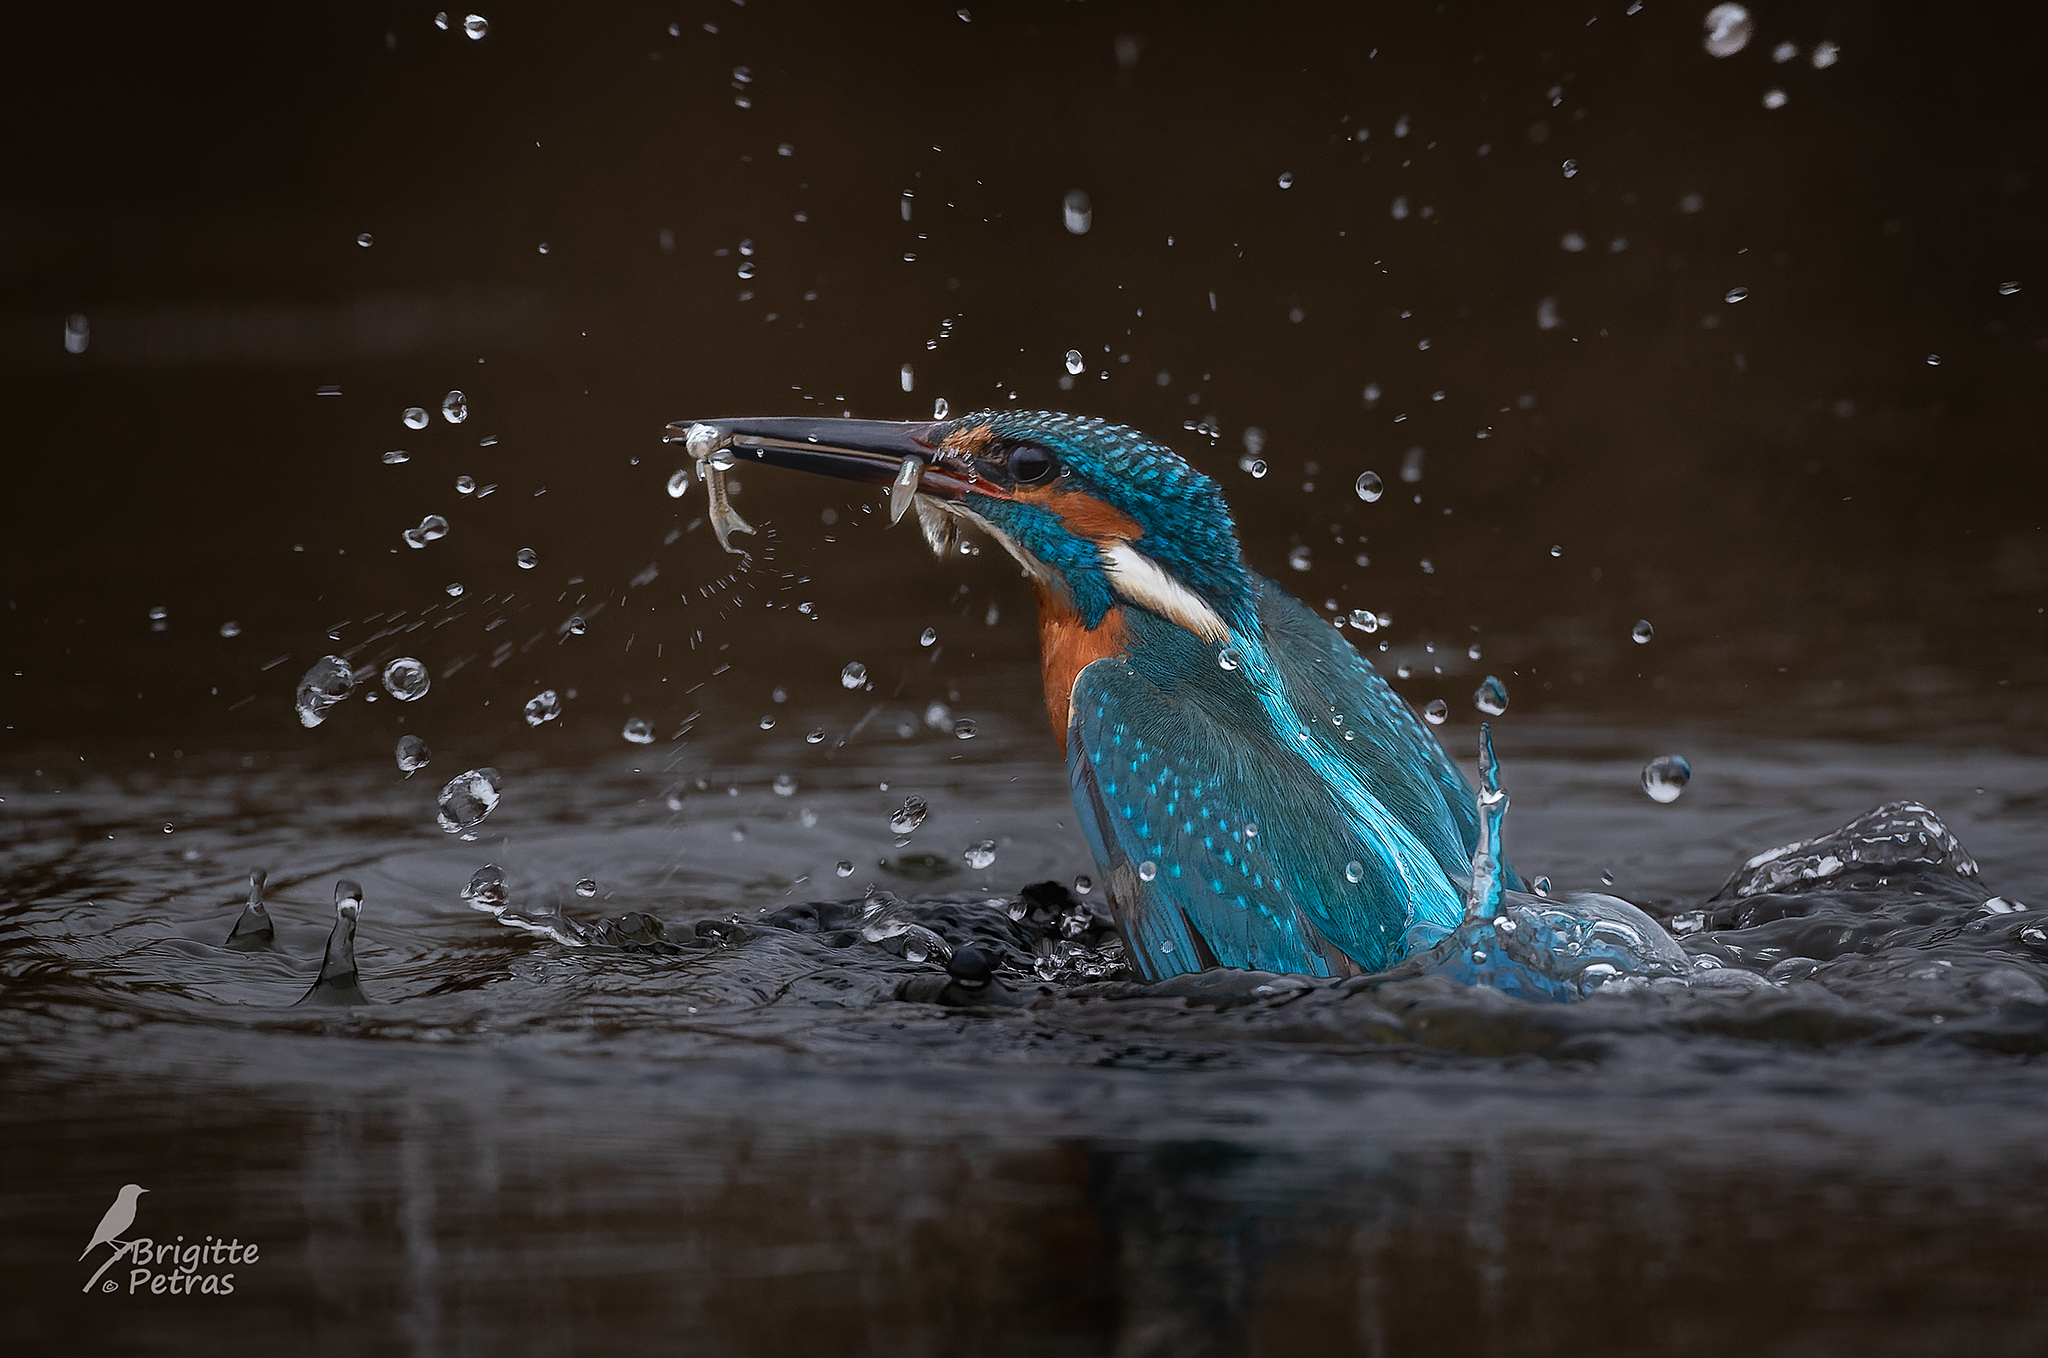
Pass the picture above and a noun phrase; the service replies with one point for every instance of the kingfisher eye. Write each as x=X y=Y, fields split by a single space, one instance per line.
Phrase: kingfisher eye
x=1030 y=464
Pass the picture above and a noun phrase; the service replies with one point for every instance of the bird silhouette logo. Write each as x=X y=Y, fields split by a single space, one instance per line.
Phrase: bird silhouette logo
x=119 y=1218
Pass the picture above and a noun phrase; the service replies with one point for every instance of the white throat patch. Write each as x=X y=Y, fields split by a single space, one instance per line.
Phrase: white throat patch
x=1139 y=579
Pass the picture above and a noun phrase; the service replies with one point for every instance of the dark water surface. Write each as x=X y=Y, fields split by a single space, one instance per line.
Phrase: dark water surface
x=1824 y=494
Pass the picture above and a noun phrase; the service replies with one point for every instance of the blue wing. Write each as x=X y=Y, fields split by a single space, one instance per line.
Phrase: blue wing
x=1310 y=824
x=1390 y=750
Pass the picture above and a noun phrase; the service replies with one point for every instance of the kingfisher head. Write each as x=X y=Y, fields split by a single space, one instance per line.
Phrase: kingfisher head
x=1096 y=513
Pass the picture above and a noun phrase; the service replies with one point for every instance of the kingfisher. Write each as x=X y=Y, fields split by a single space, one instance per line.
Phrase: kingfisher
x=1254 y=793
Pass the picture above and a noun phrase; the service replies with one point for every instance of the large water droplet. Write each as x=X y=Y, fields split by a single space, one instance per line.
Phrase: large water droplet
x=910 y=815
x=1287 y=179
x=940 y=409
x=1665 y=777
x=928 y=637
x=1083 y=885
x=1147 y=870
x=406 y=679
x=963 y=729
x=1354 y=872
x=328 y=682
x=476 y=26
x=455 y=407
x=1642 y=632
x=542 y=707
x=467 y=799
x=527 y=558
x=1257 y=467
x=1370 y=487
x=1228 y=658
x=1078 y=212
x=853 y=676
x=586 y=887
x=679 y=484
x=465 y=485
x=981 y=854
x=843 y=868
x=412 y=754
x=1075 y=362
x=1728 y=30
x=815 y=737
x=486 y=889
x=1437 y=712
x=1491 y=697
x=1365 y=620
x=577 y=626
x=415 y=417
x=639 y=730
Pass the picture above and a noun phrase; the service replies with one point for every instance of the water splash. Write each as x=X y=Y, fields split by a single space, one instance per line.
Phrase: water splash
x=1483 y=901
x=338 y=982
x=254 y=929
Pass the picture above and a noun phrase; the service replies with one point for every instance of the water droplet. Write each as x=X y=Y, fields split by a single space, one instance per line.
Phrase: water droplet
x=1401 y=671
x=1642 y=632
x=1365 y=620
x=1251 y=829
x=527 y=558
x=767 y=723
x=784 y=785
x=929 y=636
x=639 y=730
x=542 y=707
x=1287 y=179
x=815 y=737
x=1606 y=877
x=1825 y=55
x=909 y=816
x=1075 y=362
x=1083 y=885
x=415 y=417
x=231 y=628
x=1078 y=212
x=843 y=868
x=77 y=333
x=981 y=854
x=454 y=407
x=406 y=679
x=853 y=676
x=1774 y=99
x=412 y=754
x=1257 y=467
x=1736 y=294
x=963 y=729
x=397 y=457
x=465 y=485
x=1472 y=651
x=679 y=484
x=365 y=240
x=486 y=889
x=1491 y=697
x=2008 y=289
x=1665 y=777
x=1437 y=712
x=1228 y=658
x=1728 y=30
x=476 y=26
x=1166 y=946
x=454 y=589
x=586 y=888
x=1784 y=52
x=940 y=409
x=1556 y=550
x=577 y=626
x=1541 y=886
x=1934 y=360
x=328 y=682
x=467 y=799
x=1147 y=870
x=1370 y=487
x=1571 y=167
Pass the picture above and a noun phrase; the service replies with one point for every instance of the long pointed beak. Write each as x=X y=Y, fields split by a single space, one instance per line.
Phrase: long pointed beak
x=878 y=452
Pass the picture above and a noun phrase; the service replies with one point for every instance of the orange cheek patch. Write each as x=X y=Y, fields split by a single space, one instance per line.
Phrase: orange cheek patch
x=1083 y=514
x=969 y=442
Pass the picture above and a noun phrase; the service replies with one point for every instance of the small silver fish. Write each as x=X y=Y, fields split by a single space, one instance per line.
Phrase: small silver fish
x=704 y=441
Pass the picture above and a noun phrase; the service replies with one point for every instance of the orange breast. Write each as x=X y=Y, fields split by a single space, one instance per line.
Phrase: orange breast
x=1066 y=647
